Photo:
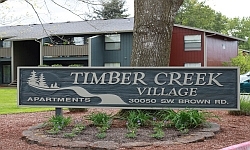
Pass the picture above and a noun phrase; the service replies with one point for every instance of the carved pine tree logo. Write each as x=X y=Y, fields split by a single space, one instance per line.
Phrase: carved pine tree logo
x=40 y=82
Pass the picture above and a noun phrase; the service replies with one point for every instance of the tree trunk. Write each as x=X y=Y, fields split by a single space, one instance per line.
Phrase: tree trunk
x=153 y=25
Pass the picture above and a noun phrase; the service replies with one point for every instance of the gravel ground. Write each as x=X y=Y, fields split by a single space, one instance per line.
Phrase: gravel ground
x=235 y=130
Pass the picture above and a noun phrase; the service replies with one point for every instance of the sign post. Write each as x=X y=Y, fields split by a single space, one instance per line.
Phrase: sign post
x=129 y=88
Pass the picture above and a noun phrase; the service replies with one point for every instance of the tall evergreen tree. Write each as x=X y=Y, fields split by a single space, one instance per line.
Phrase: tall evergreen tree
x=111 y=9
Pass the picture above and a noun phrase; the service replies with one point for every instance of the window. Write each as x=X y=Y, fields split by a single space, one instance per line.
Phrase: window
x=112 y=42
x=223 y=46
x=79 y=40
x=112 y=64
x=192 y=65
x=6 y=44
x=192 y=42
x=47 y=41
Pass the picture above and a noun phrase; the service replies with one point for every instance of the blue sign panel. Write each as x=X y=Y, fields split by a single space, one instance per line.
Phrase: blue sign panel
x=127 y=88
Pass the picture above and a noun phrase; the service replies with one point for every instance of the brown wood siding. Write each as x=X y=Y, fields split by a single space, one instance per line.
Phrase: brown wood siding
x=179 y=56
x=65 y=50
x=5 y=52
x=216 y=55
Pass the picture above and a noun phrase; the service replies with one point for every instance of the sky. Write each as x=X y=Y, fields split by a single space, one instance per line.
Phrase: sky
x=16 y=12
x=231 y=8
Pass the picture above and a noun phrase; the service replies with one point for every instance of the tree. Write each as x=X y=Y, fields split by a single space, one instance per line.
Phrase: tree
x=42 y=82
x=239 y=27
x=32 y=80
x=196 y=14
x=111 y=9
x=153 y=27
x=242 y=61
x=6 y=17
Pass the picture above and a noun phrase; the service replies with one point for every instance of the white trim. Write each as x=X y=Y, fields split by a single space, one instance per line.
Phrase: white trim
x=205 y=49
x=89 y=51
x=12 y=61
x=18 y=86
x=208 y=31
x=112 y=64
x=192 y=65
x=41 y=52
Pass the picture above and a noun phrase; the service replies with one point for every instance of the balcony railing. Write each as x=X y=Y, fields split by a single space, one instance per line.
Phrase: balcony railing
x=65 y=50
x=5 y=52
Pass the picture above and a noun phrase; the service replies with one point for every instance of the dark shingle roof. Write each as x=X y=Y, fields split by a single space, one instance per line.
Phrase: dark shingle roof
x=38 y=31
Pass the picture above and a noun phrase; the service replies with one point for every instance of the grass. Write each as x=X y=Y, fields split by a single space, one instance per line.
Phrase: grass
x=8 y=102
x=244 y=107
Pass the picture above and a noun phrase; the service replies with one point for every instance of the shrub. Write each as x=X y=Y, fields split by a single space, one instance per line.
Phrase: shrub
x=241 y=61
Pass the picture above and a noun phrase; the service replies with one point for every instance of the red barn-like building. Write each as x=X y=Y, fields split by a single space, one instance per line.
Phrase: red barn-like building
x=192 y=47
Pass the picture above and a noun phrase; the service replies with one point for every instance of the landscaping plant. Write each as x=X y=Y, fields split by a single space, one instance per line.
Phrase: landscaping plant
x=182 y=120
x=185 y=119
x=57 y=123
x=78 y=128
x=135 y=119
x=158 y=128
x=103 y=122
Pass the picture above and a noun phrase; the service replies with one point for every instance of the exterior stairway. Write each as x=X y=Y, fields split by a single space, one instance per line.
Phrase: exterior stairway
x=14 y=83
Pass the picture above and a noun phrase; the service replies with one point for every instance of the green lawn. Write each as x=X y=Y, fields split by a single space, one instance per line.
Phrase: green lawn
x=8 y=102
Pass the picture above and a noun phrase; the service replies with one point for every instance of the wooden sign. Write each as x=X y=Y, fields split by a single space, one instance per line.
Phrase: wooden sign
x=129 y=88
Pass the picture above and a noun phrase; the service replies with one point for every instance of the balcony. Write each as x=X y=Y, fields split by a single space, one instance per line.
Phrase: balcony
x=65 y=50
x=5 y=52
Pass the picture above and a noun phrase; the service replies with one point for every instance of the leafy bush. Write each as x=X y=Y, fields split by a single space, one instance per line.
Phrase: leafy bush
x=241 y=61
